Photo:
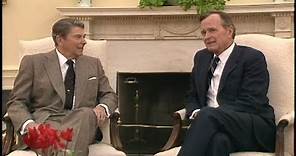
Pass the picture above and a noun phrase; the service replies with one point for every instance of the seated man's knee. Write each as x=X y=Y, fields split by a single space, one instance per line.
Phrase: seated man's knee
x=223 y=139
x=207 y=115
x=220 y=138
x=220 y=143
x=207 y=112
x=85 y=112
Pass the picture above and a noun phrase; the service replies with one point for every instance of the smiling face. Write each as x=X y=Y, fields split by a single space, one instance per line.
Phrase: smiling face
x=216 y=37
x=71 y=45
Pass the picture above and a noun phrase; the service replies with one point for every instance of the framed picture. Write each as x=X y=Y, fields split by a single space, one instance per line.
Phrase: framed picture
x=4 y=2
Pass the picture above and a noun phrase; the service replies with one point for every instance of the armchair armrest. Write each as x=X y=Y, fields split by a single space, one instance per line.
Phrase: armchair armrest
x=114 y=130
x=289 y=117
x=173 y=140
x=284 y=121
x=7 y=135
x=182 y=113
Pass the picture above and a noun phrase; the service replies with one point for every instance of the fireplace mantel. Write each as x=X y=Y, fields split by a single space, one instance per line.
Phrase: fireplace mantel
x=171 y=22
x=274 y=7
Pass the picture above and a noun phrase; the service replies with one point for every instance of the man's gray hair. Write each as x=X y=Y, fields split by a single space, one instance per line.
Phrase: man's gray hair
x=226 y=19
x=63 y=26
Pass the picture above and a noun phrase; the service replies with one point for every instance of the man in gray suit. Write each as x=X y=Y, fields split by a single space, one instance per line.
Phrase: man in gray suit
x=63 y=88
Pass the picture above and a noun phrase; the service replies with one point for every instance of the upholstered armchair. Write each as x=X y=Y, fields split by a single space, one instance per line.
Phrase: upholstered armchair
x=279 y=55
x=110 y=144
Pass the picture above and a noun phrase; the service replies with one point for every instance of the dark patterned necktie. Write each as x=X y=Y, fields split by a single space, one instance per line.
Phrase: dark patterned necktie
x=212 y=69
x=69 y=85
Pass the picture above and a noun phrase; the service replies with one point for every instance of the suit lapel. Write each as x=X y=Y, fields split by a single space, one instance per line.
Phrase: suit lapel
x=229 y=66
x=81 y=79
x=52 y=67
x=203 y=75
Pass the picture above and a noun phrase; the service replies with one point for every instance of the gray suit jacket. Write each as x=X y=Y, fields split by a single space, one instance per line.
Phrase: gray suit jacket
x=39 y=91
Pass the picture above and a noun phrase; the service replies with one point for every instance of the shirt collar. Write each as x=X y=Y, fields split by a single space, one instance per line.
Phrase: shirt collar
x=226 y=53
x=62 y=58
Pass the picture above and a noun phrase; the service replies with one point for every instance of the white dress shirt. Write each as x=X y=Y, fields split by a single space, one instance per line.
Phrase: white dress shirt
x=215 y=81
x=64 y=67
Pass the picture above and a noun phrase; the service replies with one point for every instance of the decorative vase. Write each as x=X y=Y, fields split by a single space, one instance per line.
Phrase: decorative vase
x=85 y=3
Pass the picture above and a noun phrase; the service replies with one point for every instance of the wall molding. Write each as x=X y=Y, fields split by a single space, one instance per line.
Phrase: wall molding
x=174 y=10
x=172 y=22
x=9 y=73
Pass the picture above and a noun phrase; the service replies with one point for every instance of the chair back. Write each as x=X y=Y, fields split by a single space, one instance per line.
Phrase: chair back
x=94 y=48
x=279 y=55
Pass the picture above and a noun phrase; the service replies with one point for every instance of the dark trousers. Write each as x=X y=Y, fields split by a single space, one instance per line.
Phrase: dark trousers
x=217 y=132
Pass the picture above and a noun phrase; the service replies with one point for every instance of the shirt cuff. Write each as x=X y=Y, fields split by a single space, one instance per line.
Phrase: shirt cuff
x=106 y=109
x=23 y=130
x=193 y=113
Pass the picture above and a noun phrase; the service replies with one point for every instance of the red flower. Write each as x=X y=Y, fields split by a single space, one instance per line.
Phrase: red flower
x=68 y=134
x=46 y=138
x=31 y=138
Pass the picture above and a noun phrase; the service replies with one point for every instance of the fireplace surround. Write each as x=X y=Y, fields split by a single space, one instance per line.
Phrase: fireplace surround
x=147 y=101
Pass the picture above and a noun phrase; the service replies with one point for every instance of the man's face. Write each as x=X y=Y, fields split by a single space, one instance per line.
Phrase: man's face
x=216 y=37
x=72 y=44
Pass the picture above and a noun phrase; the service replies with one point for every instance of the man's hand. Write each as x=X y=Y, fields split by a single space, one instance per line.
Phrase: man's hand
x=194 y=115
x=100 y=113
x=31 y=125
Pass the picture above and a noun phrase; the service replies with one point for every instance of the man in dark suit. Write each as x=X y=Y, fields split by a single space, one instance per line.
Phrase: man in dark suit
x=64 y=88
x=227 y=103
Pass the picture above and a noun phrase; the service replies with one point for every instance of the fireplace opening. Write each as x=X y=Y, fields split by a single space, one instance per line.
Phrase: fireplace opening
x=146 y=104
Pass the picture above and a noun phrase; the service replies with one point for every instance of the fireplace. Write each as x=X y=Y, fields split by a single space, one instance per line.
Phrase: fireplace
x=147 y=101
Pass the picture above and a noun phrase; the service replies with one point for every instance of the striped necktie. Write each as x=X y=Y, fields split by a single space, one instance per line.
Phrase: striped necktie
x=212 y=69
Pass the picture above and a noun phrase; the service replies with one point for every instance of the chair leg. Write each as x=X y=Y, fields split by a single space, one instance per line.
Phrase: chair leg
x=7 y=136
x=280 y=138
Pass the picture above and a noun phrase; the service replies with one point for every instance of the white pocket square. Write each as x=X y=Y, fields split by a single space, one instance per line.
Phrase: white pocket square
x=92 y=78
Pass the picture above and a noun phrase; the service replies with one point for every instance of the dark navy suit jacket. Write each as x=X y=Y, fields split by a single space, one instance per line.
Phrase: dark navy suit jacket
x=243 y=88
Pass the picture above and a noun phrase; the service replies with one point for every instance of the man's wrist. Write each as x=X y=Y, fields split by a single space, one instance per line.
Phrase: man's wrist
x=105 y=107
x=193 y=114
x=24 y=128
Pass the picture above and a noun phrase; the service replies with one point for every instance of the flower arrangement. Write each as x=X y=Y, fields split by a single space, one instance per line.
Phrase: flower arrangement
x=201 y=6
x=47 y=141
x=151 y=3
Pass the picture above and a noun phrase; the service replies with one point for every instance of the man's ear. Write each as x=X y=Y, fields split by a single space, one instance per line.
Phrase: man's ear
x=59 y=39
x=230 y=30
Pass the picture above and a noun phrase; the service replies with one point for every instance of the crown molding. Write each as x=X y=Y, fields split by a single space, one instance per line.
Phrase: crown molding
x=174 y=10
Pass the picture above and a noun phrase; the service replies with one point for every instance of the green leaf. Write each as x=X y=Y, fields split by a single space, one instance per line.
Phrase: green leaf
x=202 y=6
x=151 y=3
